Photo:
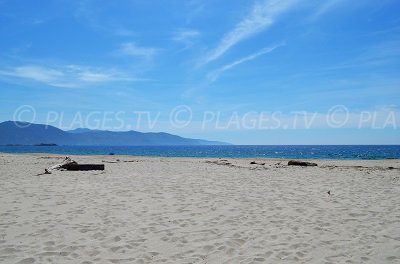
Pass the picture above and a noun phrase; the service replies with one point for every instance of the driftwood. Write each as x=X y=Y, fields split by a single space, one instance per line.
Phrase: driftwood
x=71 y=165
x=83 y=167
x=256 y=163
x=301 y=163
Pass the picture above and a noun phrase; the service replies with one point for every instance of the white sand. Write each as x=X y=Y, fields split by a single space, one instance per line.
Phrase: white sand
x=167 y=210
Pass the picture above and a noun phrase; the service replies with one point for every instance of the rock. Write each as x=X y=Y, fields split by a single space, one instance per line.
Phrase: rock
x=301 y=163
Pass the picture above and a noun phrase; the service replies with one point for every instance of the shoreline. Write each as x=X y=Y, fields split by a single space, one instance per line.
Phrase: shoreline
x=323 y=152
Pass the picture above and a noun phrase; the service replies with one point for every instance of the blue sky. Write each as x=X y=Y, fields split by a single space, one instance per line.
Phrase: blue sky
x=217 y=69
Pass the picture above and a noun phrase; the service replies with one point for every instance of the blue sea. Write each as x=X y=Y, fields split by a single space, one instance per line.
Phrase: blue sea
x=341 y=152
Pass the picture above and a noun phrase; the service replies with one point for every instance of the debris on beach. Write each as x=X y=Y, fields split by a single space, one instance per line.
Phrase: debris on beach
x=301 y=163
x=219 y=162
x=71 y=165
x=110 y=161
x=256 y=163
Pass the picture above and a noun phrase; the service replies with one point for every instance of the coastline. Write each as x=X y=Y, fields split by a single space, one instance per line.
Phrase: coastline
x=310 y=152
x=201 y=210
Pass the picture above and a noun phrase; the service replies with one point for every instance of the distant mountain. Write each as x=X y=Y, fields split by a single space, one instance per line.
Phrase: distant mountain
x=79 y=130
x=29 y=134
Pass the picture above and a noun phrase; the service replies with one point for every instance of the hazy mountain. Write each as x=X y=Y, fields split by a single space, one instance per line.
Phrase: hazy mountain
x=28 y=134
x=79 y=130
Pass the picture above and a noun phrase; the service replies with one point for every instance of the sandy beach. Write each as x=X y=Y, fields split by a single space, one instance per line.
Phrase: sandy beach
x=186 y=210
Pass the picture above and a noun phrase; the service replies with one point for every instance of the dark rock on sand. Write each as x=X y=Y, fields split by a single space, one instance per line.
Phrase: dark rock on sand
x=301 y=163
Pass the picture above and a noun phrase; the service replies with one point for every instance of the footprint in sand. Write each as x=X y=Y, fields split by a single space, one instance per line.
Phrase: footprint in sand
x=26 y=261
x=208 y=248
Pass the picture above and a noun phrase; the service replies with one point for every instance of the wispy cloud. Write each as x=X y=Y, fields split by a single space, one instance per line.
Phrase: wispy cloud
x=36 y=73
x=325 y=7
x=379 y=55
x=262 y=16
x=132 y=50
x=213 y=76
x=185 y=36
x=66 y=76
x=193 y=9
x=92 y=15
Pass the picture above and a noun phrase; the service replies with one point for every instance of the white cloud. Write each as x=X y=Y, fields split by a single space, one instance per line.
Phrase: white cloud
x=66 y=76
x=262 y=16
x=213 y=76
x=95 y=77
x=325 y=7
x=185 y=36
x=37 y=73
x=131 y=49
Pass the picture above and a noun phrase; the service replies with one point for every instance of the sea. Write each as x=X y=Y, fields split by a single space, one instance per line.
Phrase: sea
x=338 y=152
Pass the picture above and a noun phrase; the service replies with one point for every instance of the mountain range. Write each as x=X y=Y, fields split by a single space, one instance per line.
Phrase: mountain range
x=23 y=133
